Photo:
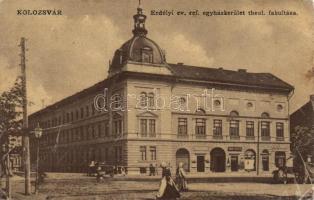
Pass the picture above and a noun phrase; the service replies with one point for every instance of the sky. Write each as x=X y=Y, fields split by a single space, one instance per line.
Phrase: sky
x=71 y=52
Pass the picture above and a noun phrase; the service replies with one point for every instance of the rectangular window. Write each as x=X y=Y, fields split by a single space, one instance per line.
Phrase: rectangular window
x=82 y=113
x=152 y=127
x=120 y=153
x=106 y=128
x=76 y=114
x=68 y=117
x=200 y=127
x=143 y=127
x=93 y=109
x=182 y=126
x=217 y=127
x=82 y=133
x=99 y=130
x=87 y=132
x=153 y=152
x=93 y=131
x=117 y=125
x=234 y=128
x=250 y=128
x=279 y=130
x=87 y=111
x=265 y=129
x=143 y=152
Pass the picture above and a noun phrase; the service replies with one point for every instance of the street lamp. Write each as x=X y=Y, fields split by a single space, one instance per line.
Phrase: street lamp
x=38 y=133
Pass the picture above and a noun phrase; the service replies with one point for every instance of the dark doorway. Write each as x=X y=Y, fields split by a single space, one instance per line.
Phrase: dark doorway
x=265 y=160
x=200 y=163
x=234 y=163
x=217 y=160
x=183 y=156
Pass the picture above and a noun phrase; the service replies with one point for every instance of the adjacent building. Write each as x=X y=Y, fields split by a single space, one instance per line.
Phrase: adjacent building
x=304 y=117
x=148 y=111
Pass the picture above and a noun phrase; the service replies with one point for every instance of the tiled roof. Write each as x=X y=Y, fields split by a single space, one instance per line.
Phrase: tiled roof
x=220 y=75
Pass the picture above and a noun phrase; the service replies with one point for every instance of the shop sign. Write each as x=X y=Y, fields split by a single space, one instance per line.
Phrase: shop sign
x=234 y=148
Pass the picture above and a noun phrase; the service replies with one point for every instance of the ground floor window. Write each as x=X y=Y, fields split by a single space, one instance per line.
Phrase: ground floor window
x=143 y=170
x=153 y=152
x=280 y=159
x=265 y=160
x=143 y=152
x=249 y=160
x=183 y=156
x=217 y=160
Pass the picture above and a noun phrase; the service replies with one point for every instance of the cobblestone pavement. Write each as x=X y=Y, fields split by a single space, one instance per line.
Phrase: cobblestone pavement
x=83 y=188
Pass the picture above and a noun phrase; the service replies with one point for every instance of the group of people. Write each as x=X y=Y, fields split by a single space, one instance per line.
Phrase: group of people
x=170 y=189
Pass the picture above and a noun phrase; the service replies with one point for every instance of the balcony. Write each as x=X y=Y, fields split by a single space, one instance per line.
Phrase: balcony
x=265 y=138
x=234 y=137
x=182 y=136
x=217 y=137
x=250 y=137
x=148 y=135
x=200 y=136
x=280 y=139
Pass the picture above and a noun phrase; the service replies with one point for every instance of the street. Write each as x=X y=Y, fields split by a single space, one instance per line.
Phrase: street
x=86 y=188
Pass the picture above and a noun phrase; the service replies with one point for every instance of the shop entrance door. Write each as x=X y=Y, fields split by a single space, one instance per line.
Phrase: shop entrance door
x=200 y=163
x=234 y=163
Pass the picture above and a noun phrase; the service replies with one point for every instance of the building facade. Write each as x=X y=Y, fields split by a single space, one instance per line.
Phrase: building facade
x=304 y=117
x=148 y=111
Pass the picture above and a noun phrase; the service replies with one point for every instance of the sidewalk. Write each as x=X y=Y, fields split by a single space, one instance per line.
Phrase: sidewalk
x=196 y=177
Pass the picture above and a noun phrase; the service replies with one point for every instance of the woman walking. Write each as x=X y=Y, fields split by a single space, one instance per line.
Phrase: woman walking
x=167 y=189
x=181 y=178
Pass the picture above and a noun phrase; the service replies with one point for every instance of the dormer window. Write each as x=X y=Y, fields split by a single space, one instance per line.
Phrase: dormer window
x=147 y=55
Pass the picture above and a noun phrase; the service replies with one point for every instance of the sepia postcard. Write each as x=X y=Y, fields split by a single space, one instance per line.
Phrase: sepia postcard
x=157 y=100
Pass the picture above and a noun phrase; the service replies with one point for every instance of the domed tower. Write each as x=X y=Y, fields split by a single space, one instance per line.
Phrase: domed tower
x=139 y=54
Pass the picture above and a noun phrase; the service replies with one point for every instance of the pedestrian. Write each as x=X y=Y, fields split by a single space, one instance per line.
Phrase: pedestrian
x=156 y=169
x=181 y=178
x=167 y=188
x=91 y=168
x=151 y=170
x=123 y=173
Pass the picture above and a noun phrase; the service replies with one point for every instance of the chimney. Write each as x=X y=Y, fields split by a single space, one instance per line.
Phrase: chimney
x=242 y=70
x=312 y=97
x=180 y=63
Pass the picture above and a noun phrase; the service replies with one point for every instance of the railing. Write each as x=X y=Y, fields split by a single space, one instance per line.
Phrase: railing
x=182 y=136
x=252 y=137
x=234 y=137
x=265 y=138
x=280 y=139
x=148 y=135
x=200 y=136
x=217 y=137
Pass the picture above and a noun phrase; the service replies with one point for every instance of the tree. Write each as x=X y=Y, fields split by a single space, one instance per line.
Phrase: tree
x=11 y=111
x=302 y=144
x=10 y=114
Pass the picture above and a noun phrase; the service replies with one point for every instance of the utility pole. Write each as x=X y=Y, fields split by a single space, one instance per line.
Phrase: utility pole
x=8 y=181
x=26 y=152
x=257 y=155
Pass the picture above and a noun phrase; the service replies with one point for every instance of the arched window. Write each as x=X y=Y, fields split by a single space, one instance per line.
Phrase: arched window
x=147 y=55
x=234 y=125
x=265 y=115
x=249 y=163
x=200 y=111
x=265 y=160
x=151 y=100
x=234 y=113
x=143 y=99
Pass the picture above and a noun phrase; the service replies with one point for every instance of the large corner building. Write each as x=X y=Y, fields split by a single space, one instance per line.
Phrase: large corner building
x=148 y=111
